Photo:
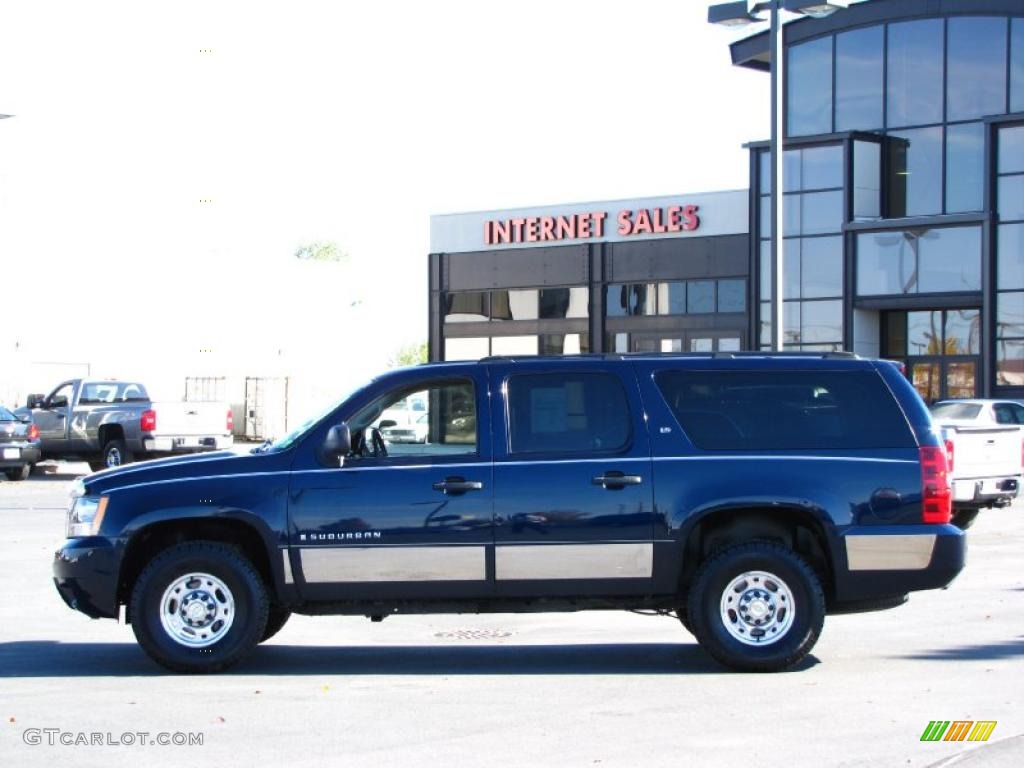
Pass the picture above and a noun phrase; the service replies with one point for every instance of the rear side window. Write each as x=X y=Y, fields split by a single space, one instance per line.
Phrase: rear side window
x=785 y=410
x=956 y=410
x=567 y=413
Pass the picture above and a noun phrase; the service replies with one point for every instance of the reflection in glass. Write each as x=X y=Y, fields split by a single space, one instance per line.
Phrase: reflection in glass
x=791 y=322
x=732 y=295
x=886 y=264
x=557 y=303
x=701 y=345
x=914 y=87
x=859 y=79
x=867 y=181
x=809 y=82
x=925 y=378
x=466 y=349
x=466 y=307
x=515 y=304
x=822 y=267
x=963 y=332
x=1017 y=65
x=1009 y=313
x=791 y=269
x=764 y=278
x=822 y=167
x=1010 y=256
x=672 y=298
x=564 y=344
x=976 y=61
x=961 y=380
x=700 y=297
x=1009 y=363
x=1011 y=198
x=895 y=335
x=514 y=345
x=671 y=345
x=822 y=212
x=965 y=167
x=950 y=259
x=729 y=344
x=790 y=211
x=1011 y=149
x=765 y=324
x=915 y=184
x=630 y=299
x=821 y=321
x=924 y=333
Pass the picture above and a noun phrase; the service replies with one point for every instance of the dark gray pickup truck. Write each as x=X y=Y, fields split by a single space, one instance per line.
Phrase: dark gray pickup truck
x=109 y=423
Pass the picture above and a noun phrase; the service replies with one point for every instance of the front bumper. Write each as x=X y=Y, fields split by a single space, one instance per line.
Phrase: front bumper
x=186 y=443
x=885 y=561
x=85 y=572
x=27 y=453
x=977 y=493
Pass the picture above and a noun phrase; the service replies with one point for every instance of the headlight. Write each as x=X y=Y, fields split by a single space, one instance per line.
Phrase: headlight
x=86 y=516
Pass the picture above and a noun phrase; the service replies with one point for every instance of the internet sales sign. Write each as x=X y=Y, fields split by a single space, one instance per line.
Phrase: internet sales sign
x=590 y=225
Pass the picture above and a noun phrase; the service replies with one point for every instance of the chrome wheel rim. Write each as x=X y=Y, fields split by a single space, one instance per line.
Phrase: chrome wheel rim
x=757 y=608
x=114 y=457
x=197 y=610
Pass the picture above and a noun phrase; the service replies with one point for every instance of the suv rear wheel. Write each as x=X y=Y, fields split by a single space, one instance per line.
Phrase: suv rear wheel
x=199 y=607
x=756 y=607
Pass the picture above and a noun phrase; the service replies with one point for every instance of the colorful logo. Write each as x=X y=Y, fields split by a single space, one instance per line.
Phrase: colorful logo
x=958 y=730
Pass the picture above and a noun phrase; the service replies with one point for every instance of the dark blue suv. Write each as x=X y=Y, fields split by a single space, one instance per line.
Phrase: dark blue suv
x=746 y=494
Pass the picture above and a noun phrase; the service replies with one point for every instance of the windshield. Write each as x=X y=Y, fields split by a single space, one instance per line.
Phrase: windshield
x=956 y=410
x=6 y=415
x=300 y=431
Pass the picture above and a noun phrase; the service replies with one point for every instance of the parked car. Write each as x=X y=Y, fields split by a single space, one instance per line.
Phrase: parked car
x=747 y=495
x=416 y=432
x=985 y=452
x=109 y=423
x=19 y=445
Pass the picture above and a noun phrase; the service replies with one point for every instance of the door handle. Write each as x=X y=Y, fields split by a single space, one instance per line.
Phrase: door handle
x=615 y=480
x=457 y=485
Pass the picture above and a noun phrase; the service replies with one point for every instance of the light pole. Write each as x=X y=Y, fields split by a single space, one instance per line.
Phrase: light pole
x=739 y=14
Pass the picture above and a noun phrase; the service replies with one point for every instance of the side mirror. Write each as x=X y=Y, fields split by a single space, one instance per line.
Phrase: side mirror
x=35 y=401
x=336 y=445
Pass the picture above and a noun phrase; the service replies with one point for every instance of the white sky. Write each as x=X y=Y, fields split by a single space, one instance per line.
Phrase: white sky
x=342 y=121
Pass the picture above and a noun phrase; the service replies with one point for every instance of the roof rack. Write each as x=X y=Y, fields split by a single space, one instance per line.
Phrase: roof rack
x=713 y=355
x=788 y=353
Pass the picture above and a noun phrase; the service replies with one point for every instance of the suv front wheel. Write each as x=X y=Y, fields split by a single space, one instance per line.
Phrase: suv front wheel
x=756 y=607
x=199 y=607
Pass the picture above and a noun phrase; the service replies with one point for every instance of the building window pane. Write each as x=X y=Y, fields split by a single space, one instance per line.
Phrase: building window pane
x=821 y=212
x=1017 y=65
x=915 y=187
x=976 y=56
x=558 y=303
x=791 y=268
x=618 y=343
x=1010 y=256
x=821 y=167
x=564 y=344
x=965 y=167
x=809 y=88
x=867 y=181
x=765 y=324
x=924 y=333
x=514 y=345
x=764 y=284
x=515 y=304
x=895 y=341
x=821 y=321
x=700 y=296
x=468 y=307
x=1009 y=314
x=672 y=299
x=963 y=332
x=791 y=322
x=950 y=260
x=821 y=273
x=885 y=264
x=1010 y=363
x=859 y=79
x=466 y=349
x=732 y=295
x=1011 y=198
x=632 y=299
x=914 y=88
x=1011 y=149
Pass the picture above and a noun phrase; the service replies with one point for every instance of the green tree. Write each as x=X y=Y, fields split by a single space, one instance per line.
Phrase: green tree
x=410 y=354
x=320 y=251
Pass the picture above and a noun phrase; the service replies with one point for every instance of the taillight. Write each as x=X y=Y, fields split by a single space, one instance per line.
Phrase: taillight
x=950 y=451
x=936 y=496
x=33 y=432
x=231 y=422
x=148 y=421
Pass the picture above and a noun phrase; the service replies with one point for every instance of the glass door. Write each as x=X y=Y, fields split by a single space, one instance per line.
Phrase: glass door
x=941 y=349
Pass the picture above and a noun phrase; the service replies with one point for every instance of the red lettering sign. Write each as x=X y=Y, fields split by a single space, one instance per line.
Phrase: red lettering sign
x=590 y=225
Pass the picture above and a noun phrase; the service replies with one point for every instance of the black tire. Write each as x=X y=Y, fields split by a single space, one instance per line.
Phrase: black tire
x=705 y=612
x=115 y=454
x=276 y=619
x=964 y=518
x=18 y=473
x=226 y=564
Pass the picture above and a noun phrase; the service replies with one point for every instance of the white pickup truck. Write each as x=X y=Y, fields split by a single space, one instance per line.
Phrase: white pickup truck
x=984 y=443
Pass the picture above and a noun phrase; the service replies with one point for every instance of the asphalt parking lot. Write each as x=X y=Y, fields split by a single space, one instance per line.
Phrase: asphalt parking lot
x=590 y=689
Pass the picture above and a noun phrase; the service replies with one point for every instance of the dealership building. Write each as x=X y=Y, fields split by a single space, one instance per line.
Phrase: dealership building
x=903 y=232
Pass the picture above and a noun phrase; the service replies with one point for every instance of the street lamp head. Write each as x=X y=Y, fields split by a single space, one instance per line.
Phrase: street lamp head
x=817 y=9
x=737 y=14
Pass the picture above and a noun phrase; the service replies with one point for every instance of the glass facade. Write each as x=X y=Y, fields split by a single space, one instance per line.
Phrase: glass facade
x=1009 y=320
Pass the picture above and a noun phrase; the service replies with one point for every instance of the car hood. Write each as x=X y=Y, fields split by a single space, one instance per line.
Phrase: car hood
x=189 y=466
